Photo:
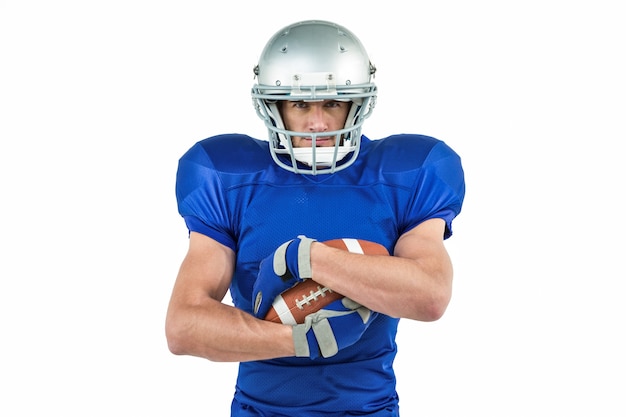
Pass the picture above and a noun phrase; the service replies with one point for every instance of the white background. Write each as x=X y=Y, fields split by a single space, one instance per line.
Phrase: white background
x=98 y=101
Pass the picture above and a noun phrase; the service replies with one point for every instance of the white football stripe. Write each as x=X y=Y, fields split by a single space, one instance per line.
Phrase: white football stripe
x=282 y=310
x=353 y=245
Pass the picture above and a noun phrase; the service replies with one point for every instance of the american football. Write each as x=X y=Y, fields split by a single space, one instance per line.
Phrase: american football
x=304 y=298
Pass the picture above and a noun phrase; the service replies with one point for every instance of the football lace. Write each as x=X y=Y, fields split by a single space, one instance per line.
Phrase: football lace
x=313 y=296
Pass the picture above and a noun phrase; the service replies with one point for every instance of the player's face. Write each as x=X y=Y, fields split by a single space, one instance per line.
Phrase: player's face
x=314 y=117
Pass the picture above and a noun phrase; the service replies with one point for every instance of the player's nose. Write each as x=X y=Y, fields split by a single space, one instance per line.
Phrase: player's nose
x=317 y=119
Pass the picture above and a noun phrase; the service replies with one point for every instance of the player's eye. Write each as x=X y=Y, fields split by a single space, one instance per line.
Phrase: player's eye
x=333 y=104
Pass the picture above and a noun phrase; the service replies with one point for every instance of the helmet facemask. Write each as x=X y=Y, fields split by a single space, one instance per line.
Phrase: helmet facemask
x=281 y=77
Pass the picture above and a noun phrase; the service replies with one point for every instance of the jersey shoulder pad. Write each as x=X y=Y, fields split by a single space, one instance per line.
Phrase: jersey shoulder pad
x=231 y=153
x=407 y=151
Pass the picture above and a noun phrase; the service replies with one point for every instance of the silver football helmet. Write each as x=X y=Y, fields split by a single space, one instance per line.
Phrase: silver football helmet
x=313 y=61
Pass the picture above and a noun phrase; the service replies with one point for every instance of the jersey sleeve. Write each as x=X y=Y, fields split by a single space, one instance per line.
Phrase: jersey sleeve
x=439 y=189
x=201 y=198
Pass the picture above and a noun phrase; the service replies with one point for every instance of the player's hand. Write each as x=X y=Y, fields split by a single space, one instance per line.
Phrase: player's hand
x=288 y=265
x=338 y=325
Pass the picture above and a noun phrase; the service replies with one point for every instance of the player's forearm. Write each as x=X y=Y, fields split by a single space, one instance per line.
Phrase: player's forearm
x=399 y=287
x=223 y=333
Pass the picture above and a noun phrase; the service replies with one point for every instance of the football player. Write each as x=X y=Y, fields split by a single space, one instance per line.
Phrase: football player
x=258 y=212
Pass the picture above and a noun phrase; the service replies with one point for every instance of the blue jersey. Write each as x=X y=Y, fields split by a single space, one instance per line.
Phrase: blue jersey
x=229 y=188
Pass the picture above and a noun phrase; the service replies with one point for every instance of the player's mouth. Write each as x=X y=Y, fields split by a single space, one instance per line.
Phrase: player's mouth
x=321 y=141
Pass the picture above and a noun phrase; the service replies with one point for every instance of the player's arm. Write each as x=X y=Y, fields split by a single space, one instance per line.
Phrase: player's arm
x=199 y=324
x=415 y=283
